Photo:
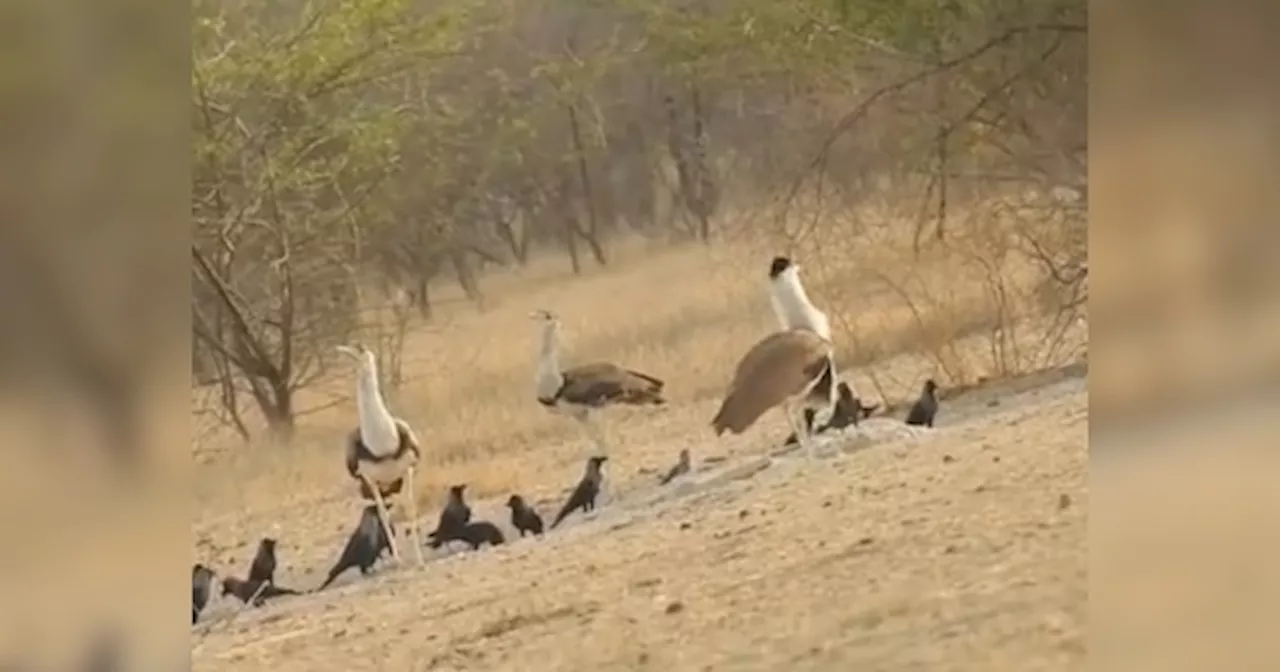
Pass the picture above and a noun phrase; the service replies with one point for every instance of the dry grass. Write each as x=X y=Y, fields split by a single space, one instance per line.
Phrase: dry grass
x=681 y=313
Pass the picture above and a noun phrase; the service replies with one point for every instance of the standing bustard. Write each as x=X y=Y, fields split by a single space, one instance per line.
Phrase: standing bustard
x=382 y=452
x=583 y=390
x=792 y=369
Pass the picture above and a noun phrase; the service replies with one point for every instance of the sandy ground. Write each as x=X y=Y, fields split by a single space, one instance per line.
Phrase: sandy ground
x=963 y=548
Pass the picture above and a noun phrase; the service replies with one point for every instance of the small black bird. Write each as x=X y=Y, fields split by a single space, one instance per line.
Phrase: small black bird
x=523 y=517
x=848 y=411
x=481 y=532
x=201 y=589
x=453 y=518
x=584 y=496
x=365 y=545
x=926 y=406
x=245 y=590
x=682 y=466
x=264 y=562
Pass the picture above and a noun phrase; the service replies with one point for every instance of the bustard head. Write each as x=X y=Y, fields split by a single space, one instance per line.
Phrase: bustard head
x=515 y=502
x=781 y=265
x=362 y=355
x=791 y=303
x=930 y=387
x=544 y=316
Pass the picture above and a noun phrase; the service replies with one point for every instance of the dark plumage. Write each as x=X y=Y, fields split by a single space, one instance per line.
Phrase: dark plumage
x=778 y=265
x=481 y=532
x=584 y=496
x=245 y=590
x=848 y=411
x=201 y=589
x=455 y=515
x=682 y=466
x=601 y=384
x=926 y=407
x=263 y=567
x=364 y=546
x=357 y=453
x=523 y=517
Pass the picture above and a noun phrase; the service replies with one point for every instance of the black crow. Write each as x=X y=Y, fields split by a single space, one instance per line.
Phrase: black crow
x=584 y=496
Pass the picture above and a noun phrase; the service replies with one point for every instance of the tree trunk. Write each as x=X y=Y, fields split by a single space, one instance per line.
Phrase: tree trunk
x=421 y=298
x=705 y=197
x=466 y=276
x=589 y=232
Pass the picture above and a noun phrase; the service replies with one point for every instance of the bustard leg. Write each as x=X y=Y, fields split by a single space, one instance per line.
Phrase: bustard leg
x=413 y=515
x=383 y=516
x=795 y=418
x=595 y=433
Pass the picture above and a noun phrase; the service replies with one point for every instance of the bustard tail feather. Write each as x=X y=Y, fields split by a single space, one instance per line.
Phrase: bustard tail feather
x=647 y=390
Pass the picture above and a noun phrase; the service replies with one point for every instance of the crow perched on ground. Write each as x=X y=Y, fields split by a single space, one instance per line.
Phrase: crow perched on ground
x=264 y=562
x=523 y=517
x=245 y=590
x=848 y=411
x=682 y=466
x=584 y=496
x=453 y=518
x=926 y=406
x=201 y=589
x=365 y=545
x=481 y=532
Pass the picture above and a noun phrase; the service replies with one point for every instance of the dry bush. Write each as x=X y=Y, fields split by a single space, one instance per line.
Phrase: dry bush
x=684 y=314
x=1000 y=275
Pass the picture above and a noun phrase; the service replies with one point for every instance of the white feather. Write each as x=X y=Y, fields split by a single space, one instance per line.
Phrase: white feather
x=792 y=306
x=378 y=429
x=548 y=379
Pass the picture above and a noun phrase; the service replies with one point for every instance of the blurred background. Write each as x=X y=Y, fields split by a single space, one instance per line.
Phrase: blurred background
x=198 y=206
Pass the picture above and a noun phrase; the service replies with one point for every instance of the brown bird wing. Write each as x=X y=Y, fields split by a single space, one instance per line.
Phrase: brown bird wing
x=775 y=368
x=601 y=383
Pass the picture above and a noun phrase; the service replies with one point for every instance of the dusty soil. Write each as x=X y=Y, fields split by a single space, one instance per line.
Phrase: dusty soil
x=962 y=548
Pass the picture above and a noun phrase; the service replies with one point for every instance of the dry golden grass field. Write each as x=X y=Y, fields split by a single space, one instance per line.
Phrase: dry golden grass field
x=960 y=548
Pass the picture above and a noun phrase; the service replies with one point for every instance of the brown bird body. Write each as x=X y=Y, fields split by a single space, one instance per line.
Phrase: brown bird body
x=600 y=384
x=779 y=369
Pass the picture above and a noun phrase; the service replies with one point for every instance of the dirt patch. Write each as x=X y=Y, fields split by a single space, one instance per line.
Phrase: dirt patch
x=943 y=550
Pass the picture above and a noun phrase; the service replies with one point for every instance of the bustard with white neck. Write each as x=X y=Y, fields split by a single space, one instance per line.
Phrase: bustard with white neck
x=382 y=452
x=582 y=391
x=791 y=369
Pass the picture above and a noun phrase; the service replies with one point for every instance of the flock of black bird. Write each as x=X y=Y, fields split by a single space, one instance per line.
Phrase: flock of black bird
x=368 y=541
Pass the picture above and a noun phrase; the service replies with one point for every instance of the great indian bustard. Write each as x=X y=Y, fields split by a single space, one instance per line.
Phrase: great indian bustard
x=794 y=310
x=581 y=391
x=382 y=452
x=792 y=369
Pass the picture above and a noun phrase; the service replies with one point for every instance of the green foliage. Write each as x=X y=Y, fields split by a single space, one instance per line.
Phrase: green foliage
x=745 y=41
